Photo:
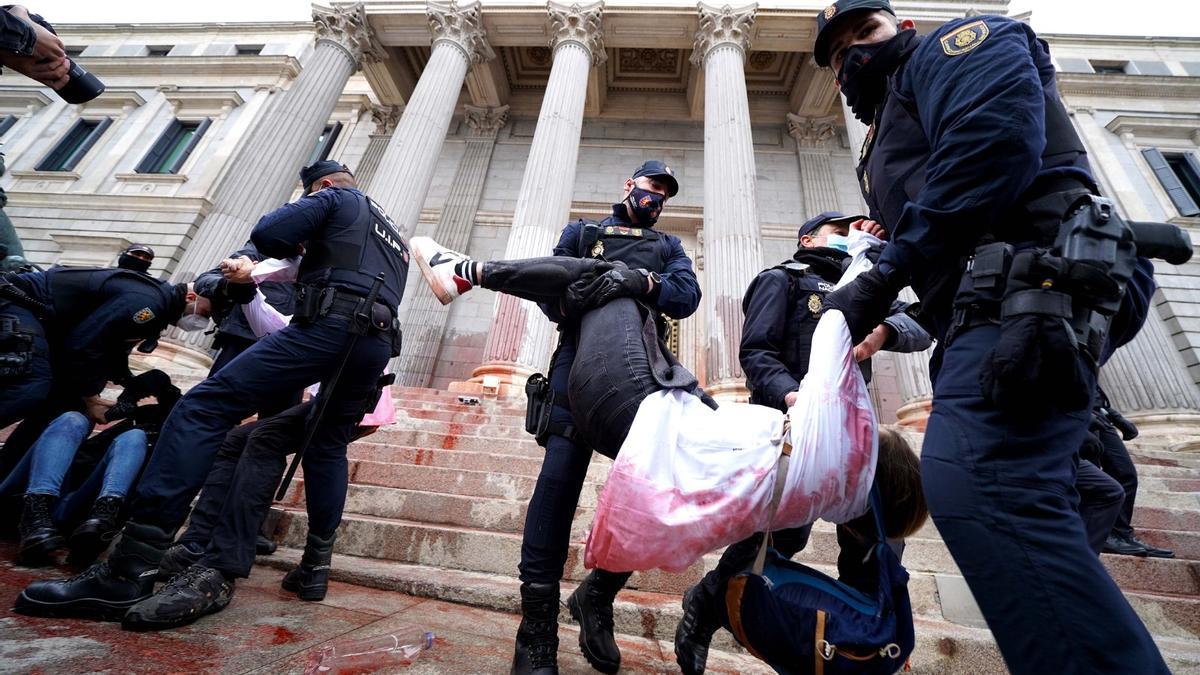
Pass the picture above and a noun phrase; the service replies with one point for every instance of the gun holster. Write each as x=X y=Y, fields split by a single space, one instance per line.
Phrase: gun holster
x=541 y=403
x=16 y=348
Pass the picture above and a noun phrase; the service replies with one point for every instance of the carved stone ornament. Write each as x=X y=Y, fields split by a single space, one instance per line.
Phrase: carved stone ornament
x=461 y=26
x=721 y=26
x=485 y=122
x=386 y=117
x=347 y=28
x=811 y=131
x=580 y=24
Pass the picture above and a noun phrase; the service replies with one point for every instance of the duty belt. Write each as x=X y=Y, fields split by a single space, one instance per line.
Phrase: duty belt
x=313 y=302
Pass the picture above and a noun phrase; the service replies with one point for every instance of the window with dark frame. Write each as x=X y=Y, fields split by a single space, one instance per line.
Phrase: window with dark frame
x=7 y=123
x=173 y=147
x=325 y=143
x=1110 y=67
x=1179 y=175
x=249 y=50
x=74 y=145
x=158 y=50
x=73 y=52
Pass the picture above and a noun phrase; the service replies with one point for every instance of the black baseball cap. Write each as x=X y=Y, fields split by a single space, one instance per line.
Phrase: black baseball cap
x=832 y=16
x=827 y=218
x=139 y=248
x=314 y=173
x=657 y=169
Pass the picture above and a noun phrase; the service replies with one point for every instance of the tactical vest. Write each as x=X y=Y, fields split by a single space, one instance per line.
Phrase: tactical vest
x=637 y=247
x=75 y=294
x=352 y=254
x=806 y=294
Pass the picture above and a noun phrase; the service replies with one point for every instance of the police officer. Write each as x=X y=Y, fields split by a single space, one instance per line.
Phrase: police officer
x=782 y=306
x=66 y=332
x=138 y=257
x=969 y=143
x=344 y=329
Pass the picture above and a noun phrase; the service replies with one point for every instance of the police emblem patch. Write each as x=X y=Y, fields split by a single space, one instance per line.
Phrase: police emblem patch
x=964 y=39
x=598 y=249
x=814 y=304
x=830 y=11
x=143 y=315
x=866 y=184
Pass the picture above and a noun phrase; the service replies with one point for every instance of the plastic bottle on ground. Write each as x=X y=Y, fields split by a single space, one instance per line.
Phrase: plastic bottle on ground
x=397 y=649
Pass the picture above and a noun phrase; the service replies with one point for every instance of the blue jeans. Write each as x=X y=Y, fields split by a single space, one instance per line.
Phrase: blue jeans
x=1001 y=489
x=44 y=467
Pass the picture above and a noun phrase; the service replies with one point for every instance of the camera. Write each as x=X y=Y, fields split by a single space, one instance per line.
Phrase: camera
x=81 y=86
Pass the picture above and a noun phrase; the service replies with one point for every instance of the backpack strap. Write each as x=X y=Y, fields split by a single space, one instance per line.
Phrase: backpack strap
x=785 y=457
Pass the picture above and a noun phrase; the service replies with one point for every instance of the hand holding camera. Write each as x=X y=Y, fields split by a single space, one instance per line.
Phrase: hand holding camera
x=47 y=61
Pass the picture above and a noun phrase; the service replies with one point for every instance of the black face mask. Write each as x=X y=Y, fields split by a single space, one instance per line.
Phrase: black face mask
x=646 y=205
x=865 y=71
x=130 y=262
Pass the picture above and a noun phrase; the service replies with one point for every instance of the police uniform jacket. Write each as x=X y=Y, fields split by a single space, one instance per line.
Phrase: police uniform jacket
x=97 y=313
x=637 y=246
x=229 y=315
x=347 y=239
x=782 y=307
x=959 y=145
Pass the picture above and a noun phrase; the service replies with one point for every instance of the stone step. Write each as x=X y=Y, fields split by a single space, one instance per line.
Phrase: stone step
x=1161 y=457
x=482 y=549
x=1180 y=520
x=942 y=647
x=469 y=460
x=1186 y=545
x=394 y=435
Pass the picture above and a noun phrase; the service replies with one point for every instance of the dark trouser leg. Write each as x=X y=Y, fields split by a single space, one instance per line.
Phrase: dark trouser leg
x=739 y=556
x=1001 y=489
x=215 y=493
x=1117 y=463
x=231 y=347
x=230 y=546
x=1100 y=500
x=536 y=279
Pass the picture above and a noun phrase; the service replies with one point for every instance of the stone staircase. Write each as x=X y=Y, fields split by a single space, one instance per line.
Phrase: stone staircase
x=437 y=503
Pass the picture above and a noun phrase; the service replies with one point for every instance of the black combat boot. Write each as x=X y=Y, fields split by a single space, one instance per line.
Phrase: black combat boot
x=189 y=595
x=263 y=546
x=39 y=537
x=96 y=533
x=177 y=559
x=106 y=589
x=310 y=580
x=537 y=636
x=695 y=631
x=591 y=606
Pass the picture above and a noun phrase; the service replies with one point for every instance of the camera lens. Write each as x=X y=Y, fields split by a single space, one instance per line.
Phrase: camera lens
x=81 y=85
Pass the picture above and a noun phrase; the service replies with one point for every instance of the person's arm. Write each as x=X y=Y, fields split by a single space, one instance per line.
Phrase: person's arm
x=905 y=334
x=983 y=113
x=282 y=232
x=29 y=46
x=262 y=318
x=567 y=246
x=678 y=295
x=213 y=285
x=763 y=332
x=1133 y=310
x=16 y=35
x=102 y=338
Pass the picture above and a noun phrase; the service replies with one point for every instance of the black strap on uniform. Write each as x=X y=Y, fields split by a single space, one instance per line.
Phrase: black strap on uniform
x=327 y=392
x=10 y=292
x=589 y=234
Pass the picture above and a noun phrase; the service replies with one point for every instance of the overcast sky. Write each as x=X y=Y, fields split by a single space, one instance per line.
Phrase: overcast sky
x=1115 y=17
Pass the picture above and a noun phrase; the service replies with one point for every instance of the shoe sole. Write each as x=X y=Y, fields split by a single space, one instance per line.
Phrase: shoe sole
x=603 y=666
x=145 y=626
x=85 y=608
x=40 y=554
x=302 y=593
x=431 y=279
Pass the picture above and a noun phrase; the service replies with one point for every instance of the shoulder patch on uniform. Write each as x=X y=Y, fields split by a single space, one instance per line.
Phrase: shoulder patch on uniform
x=964 y=39
x=814 y=304
x=143 y=315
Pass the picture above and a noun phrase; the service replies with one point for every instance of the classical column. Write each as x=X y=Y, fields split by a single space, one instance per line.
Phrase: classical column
x=406 y=168
x=520 y=336
x=814 y=137
x=385 y=118
x=733 y=245
x=856 y=132
x=263 y=172
x=425 y=324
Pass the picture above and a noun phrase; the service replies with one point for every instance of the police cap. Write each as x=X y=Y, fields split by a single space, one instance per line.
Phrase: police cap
x=834 y=15
x=656 y=169
x=314 y=173
x=142 y=251
x=827 y=218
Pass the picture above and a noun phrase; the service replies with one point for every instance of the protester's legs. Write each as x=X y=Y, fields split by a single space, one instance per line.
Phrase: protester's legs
x=1116 y=462
x=51 y=456
x=231 y=347
x=537 y=279
x=1001 y=489
x=215 y=493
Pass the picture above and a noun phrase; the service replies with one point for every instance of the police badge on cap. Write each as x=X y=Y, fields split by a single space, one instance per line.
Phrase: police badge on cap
x=314 y=173
x=833 y=16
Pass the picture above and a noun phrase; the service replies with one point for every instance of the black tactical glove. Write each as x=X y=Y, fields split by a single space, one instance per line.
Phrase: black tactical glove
x=621 y=282
x=238 y=293
x=1035 y=367
x=865 y=302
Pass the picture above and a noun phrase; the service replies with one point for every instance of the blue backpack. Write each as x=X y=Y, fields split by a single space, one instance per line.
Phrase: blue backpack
x=799 y=620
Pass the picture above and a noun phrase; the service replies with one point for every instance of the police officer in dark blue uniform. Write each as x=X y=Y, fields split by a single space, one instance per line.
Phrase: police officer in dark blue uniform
x=66 y=332
x=350 y=285
x=969 y=143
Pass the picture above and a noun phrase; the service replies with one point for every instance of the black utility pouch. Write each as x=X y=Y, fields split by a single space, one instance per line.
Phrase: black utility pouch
x=541 y=401
x=16 y=348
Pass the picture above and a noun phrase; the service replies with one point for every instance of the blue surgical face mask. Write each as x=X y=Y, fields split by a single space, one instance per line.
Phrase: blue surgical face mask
x=839 y=241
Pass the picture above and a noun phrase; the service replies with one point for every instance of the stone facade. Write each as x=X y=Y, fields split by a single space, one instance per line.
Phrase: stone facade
x=450 y=102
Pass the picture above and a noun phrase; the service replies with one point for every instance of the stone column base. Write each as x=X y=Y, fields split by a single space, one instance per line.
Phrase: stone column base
x=1175 y=431
x=500 y=380
x=914 y=415
x=729 y=392
x=174 y=359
